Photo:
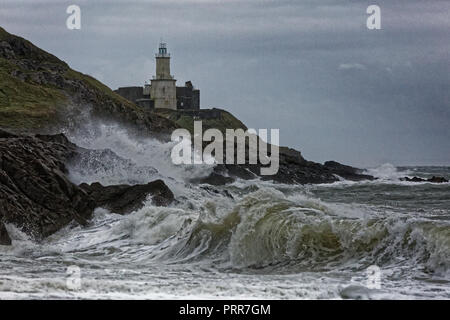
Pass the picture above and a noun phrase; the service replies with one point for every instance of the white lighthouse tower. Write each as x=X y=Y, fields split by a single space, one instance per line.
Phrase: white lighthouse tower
x=163 y=89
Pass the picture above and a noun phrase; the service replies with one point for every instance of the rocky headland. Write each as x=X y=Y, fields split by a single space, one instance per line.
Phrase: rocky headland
x=41 y=96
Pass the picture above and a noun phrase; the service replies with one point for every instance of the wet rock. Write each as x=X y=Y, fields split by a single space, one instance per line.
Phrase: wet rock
x=346 y=172
x=293 y=169
x=5 y=240
x=57 y=138
x=414 y=179
x=433 y=179
x=35 y=193
x=212 y=190
x=6 y=134
x=124 y=198
x=437 y=180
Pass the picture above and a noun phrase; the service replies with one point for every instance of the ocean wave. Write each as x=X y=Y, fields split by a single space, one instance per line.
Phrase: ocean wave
x=267 y=229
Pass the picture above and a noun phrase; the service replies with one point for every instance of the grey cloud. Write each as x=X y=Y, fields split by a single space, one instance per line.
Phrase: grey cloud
x=349 y=66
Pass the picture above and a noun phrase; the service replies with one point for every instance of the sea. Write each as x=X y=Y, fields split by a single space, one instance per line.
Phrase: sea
x=252 y=239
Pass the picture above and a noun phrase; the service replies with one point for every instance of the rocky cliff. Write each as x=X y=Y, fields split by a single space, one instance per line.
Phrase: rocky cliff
x=35 y=194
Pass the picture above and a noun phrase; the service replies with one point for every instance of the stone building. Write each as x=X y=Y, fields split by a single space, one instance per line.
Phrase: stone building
x=188 y=98
x=162 y=92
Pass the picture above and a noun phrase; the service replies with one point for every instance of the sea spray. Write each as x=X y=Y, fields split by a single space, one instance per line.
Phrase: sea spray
x=121 y=156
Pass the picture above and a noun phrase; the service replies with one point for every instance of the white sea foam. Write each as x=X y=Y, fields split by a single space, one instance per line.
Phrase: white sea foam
x=388 y=172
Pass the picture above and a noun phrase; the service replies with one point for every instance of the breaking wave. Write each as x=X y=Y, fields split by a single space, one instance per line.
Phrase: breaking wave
x=267 y=230
x=388 y=172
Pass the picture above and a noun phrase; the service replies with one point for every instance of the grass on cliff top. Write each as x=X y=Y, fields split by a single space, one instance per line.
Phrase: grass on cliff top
x=185 y=120
x=29 y=105
x=26 y=105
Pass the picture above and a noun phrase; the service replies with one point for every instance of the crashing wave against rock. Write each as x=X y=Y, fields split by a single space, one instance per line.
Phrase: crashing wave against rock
x=37 y=196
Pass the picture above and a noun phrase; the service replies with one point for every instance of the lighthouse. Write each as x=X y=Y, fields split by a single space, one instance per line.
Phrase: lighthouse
x=163 y=88
x=162 y=92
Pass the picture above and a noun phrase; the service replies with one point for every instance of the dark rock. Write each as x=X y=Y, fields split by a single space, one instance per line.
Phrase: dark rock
x=212 y=190
x=58 y=138
x=293 y=168
x=347 y=172
x=434 y=179
x=35 y=194
x=340 y=167
x=6 y=134
x=437 y=180
x=124 y=198
x=414 y=179
x=5 y=240
x=292 y=156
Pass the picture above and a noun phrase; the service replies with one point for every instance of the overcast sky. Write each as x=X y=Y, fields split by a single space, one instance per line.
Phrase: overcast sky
x=311 y=68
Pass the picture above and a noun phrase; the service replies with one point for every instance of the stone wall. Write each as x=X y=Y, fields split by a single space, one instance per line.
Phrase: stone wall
x=188 y=98
x=131 y=93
